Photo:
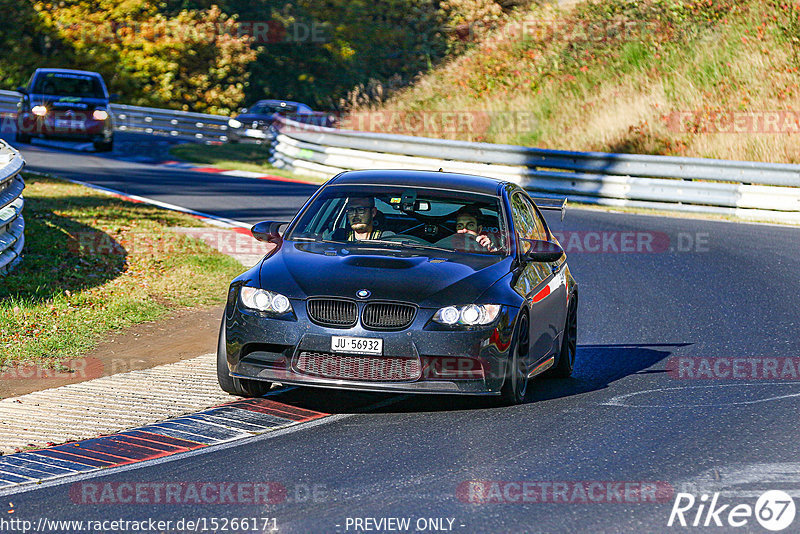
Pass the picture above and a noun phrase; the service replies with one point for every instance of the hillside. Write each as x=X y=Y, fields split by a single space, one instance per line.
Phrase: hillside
x=707 y=78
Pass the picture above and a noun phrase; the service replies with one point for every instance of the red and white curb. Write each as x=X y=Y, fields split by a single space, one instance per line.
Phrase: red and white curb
x=232 y=172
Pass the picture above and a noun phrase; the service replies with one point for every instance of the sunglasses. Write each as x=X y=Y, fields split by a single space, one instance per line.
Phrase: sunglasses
x=358 y=210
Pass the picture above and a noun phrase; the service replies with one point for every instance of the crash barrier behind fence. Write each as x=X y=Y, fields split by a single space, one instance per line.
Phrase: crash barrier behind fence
x=12 y=226
x=736 y=188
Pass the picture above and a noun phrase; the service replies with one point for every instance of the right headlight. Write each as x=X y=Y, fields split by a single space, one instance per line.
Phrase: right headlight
x=469 y=315
x=266 y=301
x=233 y=123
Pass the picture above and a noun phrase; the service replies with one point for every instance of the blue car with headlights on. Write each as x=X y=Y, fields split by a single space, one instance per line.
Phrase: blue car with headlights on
x=404 y=281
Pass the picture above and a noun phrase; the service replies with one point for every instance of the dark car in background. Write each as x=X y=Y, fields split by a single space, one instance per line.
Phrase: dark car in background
x=66 y=104
x=254 y=122
x=404 y=281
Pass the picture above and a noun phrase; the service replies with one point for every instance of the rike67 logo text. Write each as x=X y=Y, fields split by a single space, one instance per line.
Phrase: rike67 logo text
x=774 y=510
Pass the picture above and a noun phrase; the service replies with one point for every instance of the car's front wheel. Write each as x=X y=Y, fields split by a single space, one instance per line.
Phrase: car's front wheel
x=104 y=146
x=22 y=138
x=236 y=386
x=516 y=382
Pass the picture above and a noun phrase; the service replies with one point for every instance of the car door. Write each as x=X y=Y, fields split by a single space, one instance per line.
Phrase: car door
x=557 y=284
x=532 y=279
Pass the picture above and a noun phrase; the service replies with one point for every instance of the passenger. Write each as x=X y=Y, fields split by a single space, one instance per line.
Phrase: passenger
x=467 y=225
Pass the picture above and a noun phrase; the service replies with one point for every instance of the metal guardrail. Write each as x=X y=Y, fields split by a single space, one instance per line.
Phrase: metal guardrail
x=12 y=225
x=8 y=102
x=741 y=189
x=176 y=124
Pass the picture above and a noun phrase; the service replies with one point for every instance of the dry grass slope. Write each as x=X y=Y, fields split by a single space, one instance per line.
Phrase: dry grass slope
x=705 y=78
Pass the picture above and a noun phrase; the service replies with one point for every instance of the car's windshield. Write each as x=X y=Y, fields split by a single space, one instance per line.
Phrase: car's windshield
x=68 y=84
x=399 y=216
x=267 y=109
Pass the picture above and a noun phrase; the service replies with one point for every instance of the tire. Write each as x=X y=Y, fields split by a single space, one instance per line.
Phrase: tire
x=104 y=146
x=22 y=138
x=569 y=345
x=515 y=385
x=236 y=386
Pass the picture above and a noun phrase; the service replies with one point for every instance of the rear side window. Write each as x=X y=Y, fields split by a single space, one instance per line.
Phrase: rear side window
x=68 y=84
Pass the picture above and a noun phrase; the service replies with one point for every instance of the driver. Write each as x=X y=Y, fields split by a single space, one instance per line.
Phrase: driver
x=467 y=225
x=361 y=213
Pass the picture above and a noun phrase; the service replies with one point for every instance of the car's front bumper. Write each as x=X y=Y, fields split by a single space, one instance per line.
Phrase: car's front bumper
x=447 y=360
x=79 y=128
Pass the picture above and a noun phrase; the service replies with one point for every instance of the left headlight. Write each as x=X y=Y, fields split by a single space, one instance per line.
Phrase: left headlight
x=469 y=315
x=100 y=115
x=266 y=301
x=233 y=123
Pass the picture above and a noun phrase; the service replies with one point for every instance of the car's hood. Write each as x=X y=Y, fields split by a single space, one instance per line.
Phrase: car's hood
x=425 y=277
x=67 y=102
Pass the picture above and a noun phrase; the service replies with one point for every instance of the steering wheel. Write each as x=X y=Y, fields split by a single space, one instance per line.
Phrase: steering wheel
x=440 y=226
x=406 y=237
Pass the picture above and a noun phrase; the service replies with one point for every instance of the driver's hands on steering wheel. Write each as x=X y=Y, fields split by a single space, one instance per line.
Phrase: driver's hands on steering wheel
x=485 y=242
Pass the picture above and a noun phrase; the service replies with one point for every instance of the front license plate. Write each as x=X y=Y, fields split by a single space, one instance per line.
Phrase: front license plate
x=70 y=124
x=254 y=133
x=357 y=345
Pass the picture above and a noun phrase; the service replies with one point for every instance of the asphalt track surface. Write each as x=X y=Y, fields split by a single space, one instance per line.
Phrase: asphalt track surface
x=622 y=417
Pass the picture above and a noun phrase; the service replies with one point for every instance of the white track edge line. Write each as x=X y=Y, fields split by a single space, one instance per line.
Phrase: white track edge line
x=221 y=221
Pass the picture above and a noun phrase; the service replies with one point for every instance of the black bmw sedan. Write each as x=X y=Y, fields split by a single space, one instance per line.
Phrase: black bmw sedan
x=404 y=281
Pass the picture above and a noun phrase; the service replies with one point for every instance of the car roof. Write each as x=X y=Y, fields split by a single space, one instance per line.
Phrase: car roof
x=71 y=71
x=433 y=179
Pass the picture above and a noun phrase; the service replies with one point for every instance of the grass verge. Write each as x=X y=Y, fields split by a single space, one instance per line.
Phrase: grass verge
x=93 y=264
x=238 y=156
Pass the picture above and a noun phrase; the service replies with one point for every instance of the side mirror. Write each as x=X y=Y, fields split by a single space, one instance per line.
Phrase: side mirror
x=267 y=231
x=113 y=97
x=542 y=251
x=242 y=111
x=22 y=90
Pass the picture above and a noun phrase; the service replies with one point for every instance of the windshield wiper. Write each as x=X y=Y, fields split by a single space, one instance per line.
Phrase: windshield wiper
x=404 y=244
x=315 y=240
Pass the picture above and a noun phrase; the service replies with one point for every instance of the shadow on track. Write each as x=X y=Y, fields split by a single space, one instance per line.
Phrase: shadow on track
x=596 y=367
